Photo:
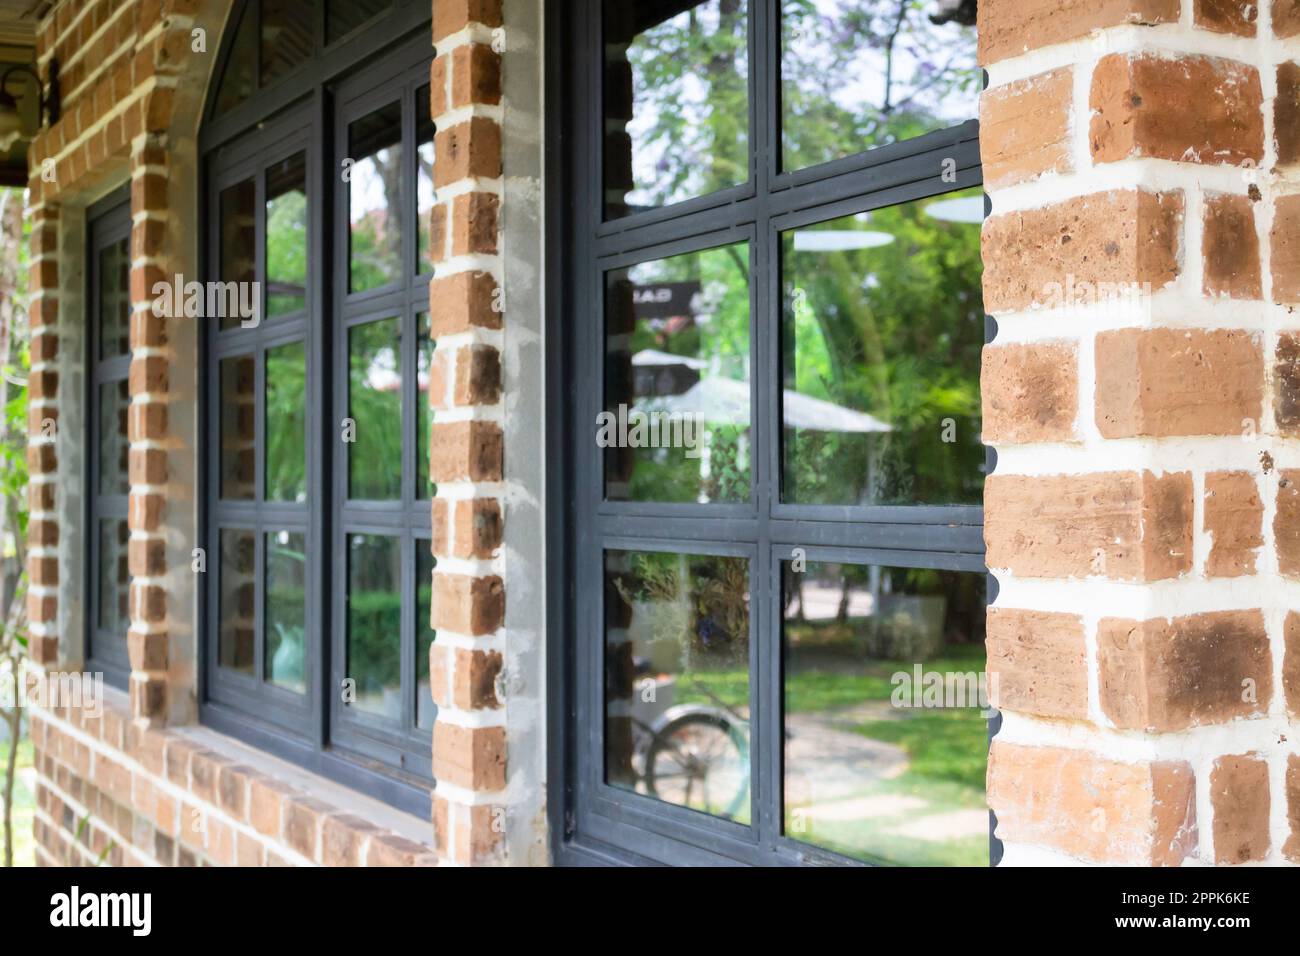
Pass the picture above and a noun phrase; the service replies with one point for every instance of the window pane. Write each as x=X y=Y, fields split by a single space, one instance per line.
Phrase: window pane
x=677 y=679
x=425 y=709
x=886 y=732
x=287 y=28
x=375 y=407
x=374 y=623
x=285 y=624
x=238 y=239
x=423 y=415
x=882 y=333
x=860 y=73
x=343 y=16
x=286 y=236
x=677 y=366
x=238 y=417
x=286 y=423
x=375 y=199
x=424 y=177
x=676 y=103
x=238 y=80
x=114 y=400
x=114 y=299
x=236 y=612
x=114 y=577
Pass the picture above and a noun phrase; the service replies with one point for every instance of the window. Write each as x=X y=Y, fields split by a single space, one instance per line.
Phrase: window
x=108 y=364
x=318 y=503
x=777 y=466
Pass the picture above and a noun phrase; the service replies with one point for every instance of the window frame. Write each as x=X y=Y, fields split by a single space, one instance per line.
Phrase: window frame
x=108 y=222
x=592 y=820
x=300 y=111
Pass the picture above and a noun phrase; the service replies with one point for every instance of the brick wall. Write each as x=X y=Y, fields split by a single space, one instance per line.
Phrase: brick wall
x=1144 y=169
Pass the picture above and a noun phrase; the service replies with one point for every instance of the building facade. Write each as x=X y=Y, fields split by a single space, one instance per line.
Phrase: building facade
x=993 y=381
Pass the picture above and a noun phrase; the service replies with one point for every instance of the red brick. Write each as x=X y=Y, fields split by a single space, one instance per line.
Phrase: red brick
x=463 y=301
x=468 y=150
x=1161 y=675
x=1119 y=525
x=466 y=451
x=1102 y=241
x=1011 y=27
x=473 y=757
x=1092 y=808
x=475 y=75
x=1037 y=663
x=1189 y=109
x=1030 y=393
x=1234 y=519
x=1240 y=797
x=452 y=16
x=1025 y=128
x=1286 y=251
x=1237 y=17
x=1291 y=664
x=1231 y=248
x=468 y=605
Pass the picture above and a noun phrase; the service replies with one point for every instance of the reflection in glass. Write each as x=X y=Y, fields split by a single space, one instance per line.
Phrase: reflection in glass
x=343 y=16
x=423 y=414
x=286 y=36
x=885 y=713
x=115 y=299
x=677 y=701
x=375 y=406
x=238 y=417
x=375 y=199
x=425 y=709
x=236 y=610
x=286 y=236
x=861 y=73
x=677 y=369
x=114 y=401
x=286 y=423
x=423 y=178
x=882 y=332
x=676 y=102
x=241 y=64
x=238 y=239
x=285 y=624
x=374 y=623
x=114 y=577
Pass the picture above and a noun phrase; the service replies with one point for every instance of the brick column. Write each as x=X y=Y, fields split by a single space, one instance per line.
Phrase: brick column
x=467 y=457
x=1141 y=261
x=42 y=430
x=147 y=639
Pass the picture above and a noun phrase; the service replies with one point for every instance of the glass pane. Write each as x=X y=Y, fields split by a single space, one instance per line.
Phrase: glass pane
x=238 y=588
x=286 y=236
x=882 y=333
x=375 y=407
x=425 y=709
x=677 y=699
x=375 y=199
x=374 y=622
x=676 y=101
x=424 y=177
x=114 y=400
x=287 y=28
x=115 y=299
x=286 y=423
x=423 y=414
x=114 y=577
x=238 y=427
x=238 y=240
x=886 y=732
x=238 y=80
x=343 y=16
x=677 y=366
x=285 y=623
x=860 y=73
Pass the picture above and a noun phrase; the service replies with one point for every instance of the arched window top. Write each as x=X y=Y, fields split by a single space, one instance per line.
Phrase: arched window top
x=271 y=39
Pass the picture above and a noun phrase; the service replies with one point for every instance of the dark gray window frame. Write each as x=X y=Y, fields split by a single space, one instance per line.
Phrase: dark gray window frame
x=305 y=110
x=591 y=821
x=107 y=222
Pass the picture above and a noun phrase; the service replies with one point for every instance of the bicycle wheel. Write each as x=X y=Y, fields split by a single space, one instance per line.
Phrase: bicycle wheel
x=700 y=761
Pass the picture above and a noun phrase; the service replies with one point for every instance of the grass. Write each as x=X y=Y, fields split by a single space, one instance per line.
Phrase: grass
x=24 y=805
